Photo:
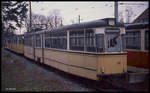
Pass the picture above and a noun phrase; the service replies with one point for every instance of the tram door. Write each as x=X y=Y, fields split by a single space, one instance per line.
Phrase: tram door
x=113 y=42
x=113 y=63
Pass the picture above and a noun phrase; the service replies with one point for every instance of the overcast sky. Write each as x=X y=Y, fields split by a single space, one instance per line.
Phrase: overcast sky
x=88 y=11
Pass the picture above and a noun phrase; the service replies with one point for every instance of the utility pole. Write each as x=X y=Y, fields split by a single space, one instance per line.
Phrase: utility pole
x=116 y=11
x=30 y=18
x=61 y=22
x=55 y=21
x=79 y=19
x=20 y=30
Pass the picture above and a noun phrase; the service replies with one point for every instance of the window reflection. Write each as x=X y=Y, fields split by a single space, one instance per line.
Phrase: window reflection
x=113 y=42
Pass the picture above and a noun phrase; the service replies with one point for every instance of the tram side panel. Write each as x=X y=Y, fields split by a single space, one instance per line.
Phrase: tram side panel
x=86 y=65
x=74 y=63
x=112 y=64
x=138 y=59
x=28 y=52
x=38 y=54
x=21 y=49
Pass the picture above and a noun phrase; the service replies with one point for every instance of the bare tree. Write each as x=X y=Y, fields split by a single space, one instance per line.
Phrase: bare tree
x=129 y=14
x=120 y=17
x=42 y=22
x=27 y=24
x=38 y=22
x=54 y=19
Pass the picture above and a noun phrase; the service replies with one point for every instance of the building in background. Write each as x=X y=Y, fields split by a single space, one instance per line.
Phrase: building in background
x=143 y=17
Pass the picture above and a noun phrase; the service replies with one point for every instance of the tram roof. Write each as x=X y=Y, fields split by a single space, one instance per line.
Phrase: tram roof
x=136 y=25
x=91 y=24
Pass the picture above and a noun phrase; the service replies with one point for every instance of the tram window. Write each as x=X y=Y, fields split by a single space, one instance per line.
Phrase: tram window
x=146 y=40
x=133 y=40
x=113 y=42
x=38 y=41
x=77 y=40
x=90 y=41
x=63 y=43
x=30 y=41
x=123 y=42
x=100 y=42
x=58 y=40
x=47 y=42
x=27 y=41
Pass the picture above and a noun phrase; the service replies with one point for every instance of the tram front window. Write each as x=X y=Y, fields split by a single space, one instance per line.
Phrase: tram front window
x=113 y=42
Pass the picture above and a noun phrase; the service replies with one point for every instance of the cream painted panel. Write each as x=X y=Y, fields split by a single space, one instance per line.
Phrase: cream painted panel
x=91 y=62
x=113 y=64
x=76 y=59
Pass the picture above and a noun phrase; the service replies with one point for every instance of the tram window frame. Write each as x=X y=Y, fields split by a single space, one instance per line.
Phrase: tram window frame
x=20 y=40
x=47 y=40
x=112 y=42
x=77 y=40
x=133 y=40
x=29 y=39
x=90 y=40
x=38 y=40
x=26 y=40
x=146 y=40
x=100 y=48
x=123 y=38
x=56 y=39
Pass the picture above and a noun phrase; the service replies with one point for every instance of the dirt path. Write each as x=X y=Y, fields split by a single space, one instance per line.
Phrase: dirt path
x=18 y=74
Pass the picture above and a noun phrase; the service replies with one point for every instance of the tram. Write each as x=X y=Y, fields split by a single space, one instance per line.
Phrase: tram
x=137 y=45
x=15 y=43
x=90 y=49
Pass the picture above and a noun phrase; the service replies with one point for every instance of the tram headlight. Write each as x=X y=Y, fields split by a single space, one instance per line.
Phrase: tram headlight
x=111 y=22
x=102 y=69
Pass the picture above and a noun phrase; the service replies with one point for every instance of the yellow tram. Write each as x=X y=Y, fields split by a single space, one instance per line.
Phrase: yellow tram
x=90 y=49
x=15 y=43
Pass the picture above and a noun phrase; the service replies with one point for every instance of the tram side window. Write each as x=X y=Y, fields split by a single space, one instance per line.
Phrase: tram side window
x=90 y=41
x=38 y=41
x=47 y=40
x=123 y=42
x=27 y=41
x=57 y=40
x=77 y=40
x=133 y=40
x=146 y=40
x=62 y=40
x=113 y=41
x=100 y=42
x=20 y=40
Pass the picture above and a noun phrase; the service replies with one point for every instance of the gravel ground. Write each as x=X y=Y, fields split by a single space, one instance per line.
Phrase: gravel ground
x=18 y=74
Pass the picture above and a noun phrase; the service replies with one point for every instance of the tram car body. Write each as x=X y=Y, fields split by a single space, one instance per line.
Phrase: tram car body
x=137 y=45
x=90 y=49
x=15 y=43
